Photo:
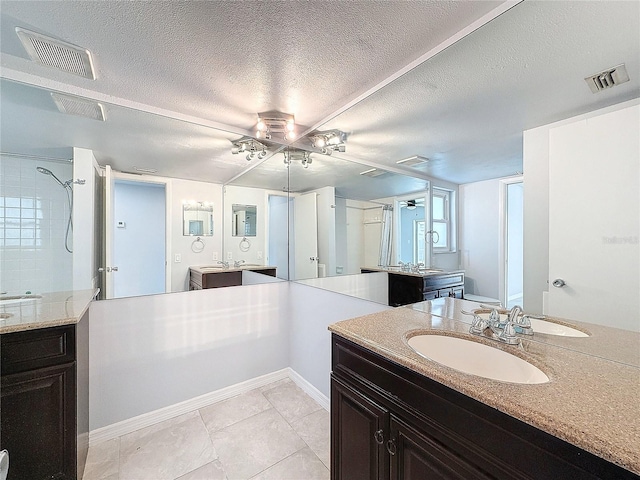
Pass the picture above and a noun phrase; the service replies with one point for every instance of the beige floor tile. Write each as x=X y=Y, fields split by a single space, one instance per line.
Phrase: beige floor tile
x=233 y=410
x=315 y=430
x=166 y=450
x=291 y=401
x=302 y=465
x=253 y=445
x=102 y=460
x=210 y=471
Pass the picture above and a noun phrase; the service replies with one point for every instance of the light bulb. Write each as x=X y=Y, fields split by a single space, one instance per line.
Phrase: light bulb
x=261 y=125
x=290 y=125
x=334 y=140
x=258 y=134
x=290 y=136
x=235 y=150
x=320 y=142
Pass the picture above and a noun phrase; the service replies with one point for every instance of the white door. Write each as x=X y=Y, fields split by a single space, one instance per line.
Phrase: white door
x=305 y=224
x=107 y=259
x=594 y=217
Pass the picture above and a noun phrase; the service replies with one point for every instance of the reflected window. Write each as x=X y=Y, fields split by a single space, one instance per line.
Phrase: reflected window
x=441 y=207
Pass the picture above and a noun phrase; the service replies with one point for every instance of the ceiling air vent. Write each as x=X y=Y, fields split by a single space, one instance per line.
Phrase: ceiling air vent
x=373 y=172
x=416 y=161
x=56 y=53
x=79 y=106
x=607 y=79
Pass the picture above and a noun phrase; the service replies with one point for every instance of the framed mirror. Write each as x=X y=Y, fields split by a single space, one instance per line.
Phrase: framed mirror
x=197 y=219
x=243 y=220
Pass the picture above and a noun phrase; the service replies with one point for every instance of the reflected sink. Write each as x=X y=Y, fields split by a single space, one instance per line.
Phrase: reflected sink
x=544 y=326
x=477 y=359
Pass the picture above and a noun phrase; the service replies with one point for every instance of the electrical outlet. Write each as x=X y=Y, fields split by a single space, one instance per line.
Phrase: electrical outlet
x=178 y=258
x=215 y=255
x=259 y=255
x=229 y=255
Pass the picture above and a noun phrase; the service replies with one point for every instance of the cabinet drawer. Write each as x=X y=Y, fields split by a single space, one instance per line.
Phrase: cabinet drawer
x=22 y=351
x=443 y=280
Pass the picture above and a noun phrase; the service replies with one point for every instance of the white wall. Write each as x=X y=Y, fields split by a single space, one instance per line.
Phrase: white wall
x=325 y=202
x=33 y=222
x=258 y=244
x=181 y=191
x=86 y=232
x=479 y=236
x=139 y=238
x=151 y=352
x=367 y=286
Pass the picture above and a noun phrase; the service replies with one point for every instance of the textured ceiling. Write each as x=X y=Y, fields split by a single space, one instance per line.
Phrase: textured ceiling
x=218 y=63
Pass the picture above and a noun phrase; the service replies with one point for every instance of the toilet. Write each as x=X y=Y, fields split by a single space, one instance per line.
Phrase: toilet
x=483 y=300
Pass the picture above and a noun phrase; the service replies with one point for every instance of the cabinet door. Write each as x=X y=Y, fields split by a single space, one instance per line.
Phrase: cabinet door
x=417 y=456
x=359 y=432
x=38 y=423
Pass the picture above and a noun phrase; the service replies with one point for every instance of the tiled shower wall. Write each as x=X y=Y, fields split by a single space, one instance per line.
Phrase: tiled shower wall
x=33 y=222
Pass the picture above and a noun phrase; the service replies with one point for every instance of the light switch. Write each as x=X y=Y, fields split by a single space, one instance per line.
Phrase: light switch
x=229 y=255
x=121 y=225
x=178 y=258
x=259 y=255
x=215 y=255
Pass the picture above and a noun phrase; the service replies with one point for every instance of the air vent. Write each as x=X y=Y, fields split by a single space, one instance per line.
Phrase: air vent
x=145 y=170
x=416 y=161
x=79 y=106
x=607 y=79
x=56 y=53
x=373 y=172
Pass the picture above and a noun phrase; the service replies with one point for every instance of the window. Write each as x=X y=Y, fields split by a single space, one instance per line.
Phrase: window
x=441 y=207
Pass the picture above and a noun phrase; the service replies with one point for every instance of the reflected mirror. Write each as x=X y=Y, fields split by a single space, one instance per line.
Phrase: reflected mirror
x=197 y=219
x=243 y=220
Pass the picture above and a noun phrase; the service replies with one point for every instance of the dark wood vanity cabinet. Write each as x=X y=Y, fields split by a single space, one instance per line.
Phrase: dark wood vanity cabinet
x=45 y=402
x=389 y=422
x=407 y=289
x=223 y=278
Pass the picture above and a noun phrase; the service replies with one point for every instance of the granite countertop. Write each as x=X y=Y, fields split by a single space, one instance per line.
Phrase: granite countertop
x=590 y=402
x=607 y=342
x=45 y=310
x=219 y=268
x=423 y=272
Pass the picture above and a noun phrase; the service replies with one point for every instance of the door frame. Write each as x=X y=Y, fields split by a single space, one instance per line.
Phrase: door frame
x=502 y=237
x=130 y=177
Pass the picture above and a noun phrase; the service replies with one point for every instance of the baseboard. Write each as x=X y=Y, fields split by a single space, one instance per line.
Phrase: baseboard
x=309 y=389
x=129 y=425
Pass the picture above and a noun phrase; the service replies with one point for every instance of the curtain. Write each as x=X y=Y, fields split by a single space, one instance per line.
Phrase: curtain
x=385 y=236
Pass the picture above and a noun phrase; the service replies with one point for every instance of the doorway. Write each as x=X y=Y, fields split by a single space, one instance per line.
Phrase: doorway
x=512 y=240
x=411 y=232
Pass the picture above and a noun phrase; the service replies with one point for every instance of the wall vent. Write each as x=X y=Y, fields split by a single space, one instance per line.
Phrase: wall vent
x=57 y=54
x=416 y=161
x=79 y=106
x=608 y=78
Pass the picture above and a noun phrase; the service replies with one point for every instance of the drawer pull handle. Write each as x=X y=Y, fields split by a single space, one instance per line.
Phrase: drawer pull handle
x=391 y=447
x=379 y=437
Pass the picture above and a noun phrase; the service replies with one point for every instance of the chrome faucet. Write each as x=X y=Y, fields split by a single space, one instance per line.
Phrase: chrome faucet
x=492 y=328
x=237 y=263
x=223 y=263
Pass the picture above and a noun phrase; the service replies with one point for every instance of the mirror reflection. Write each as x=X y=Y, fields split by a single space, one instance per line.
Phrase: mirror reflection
x=418 y=186
x=198 y=219
x=243 y=220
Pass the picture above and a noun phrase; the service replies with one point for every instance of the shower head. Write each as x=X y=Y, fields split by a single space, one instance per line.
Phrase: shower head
x=49 y=172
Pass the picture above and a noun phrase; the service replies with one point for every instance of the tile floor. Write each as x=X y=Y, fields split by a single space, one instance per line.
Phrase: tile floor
x=276 y=432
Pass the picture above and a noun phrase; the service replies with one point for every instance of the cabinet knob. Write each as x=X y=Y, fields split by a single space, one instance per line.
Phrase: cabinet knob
x=379 y=437
x=391 y=447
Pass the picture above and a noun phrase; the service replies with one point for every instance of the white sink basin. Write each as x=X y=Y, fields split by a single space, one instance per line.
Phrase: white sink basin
x=477 y=359
x=549 y=328
x=9 y=299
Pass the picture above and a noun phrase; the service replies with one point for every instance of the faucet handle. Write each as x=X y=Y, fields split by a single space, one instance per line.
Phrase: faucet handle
x=478 y=325
x=508 y=334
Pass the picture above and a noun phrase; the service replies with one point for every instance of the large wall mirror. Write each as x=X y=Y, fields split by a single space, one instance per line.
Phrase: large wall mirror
x=322 y=219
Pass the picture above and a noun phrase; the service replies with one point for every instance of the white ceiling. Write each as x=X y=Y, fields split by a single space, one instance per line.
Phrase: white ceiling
x=171 y=71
